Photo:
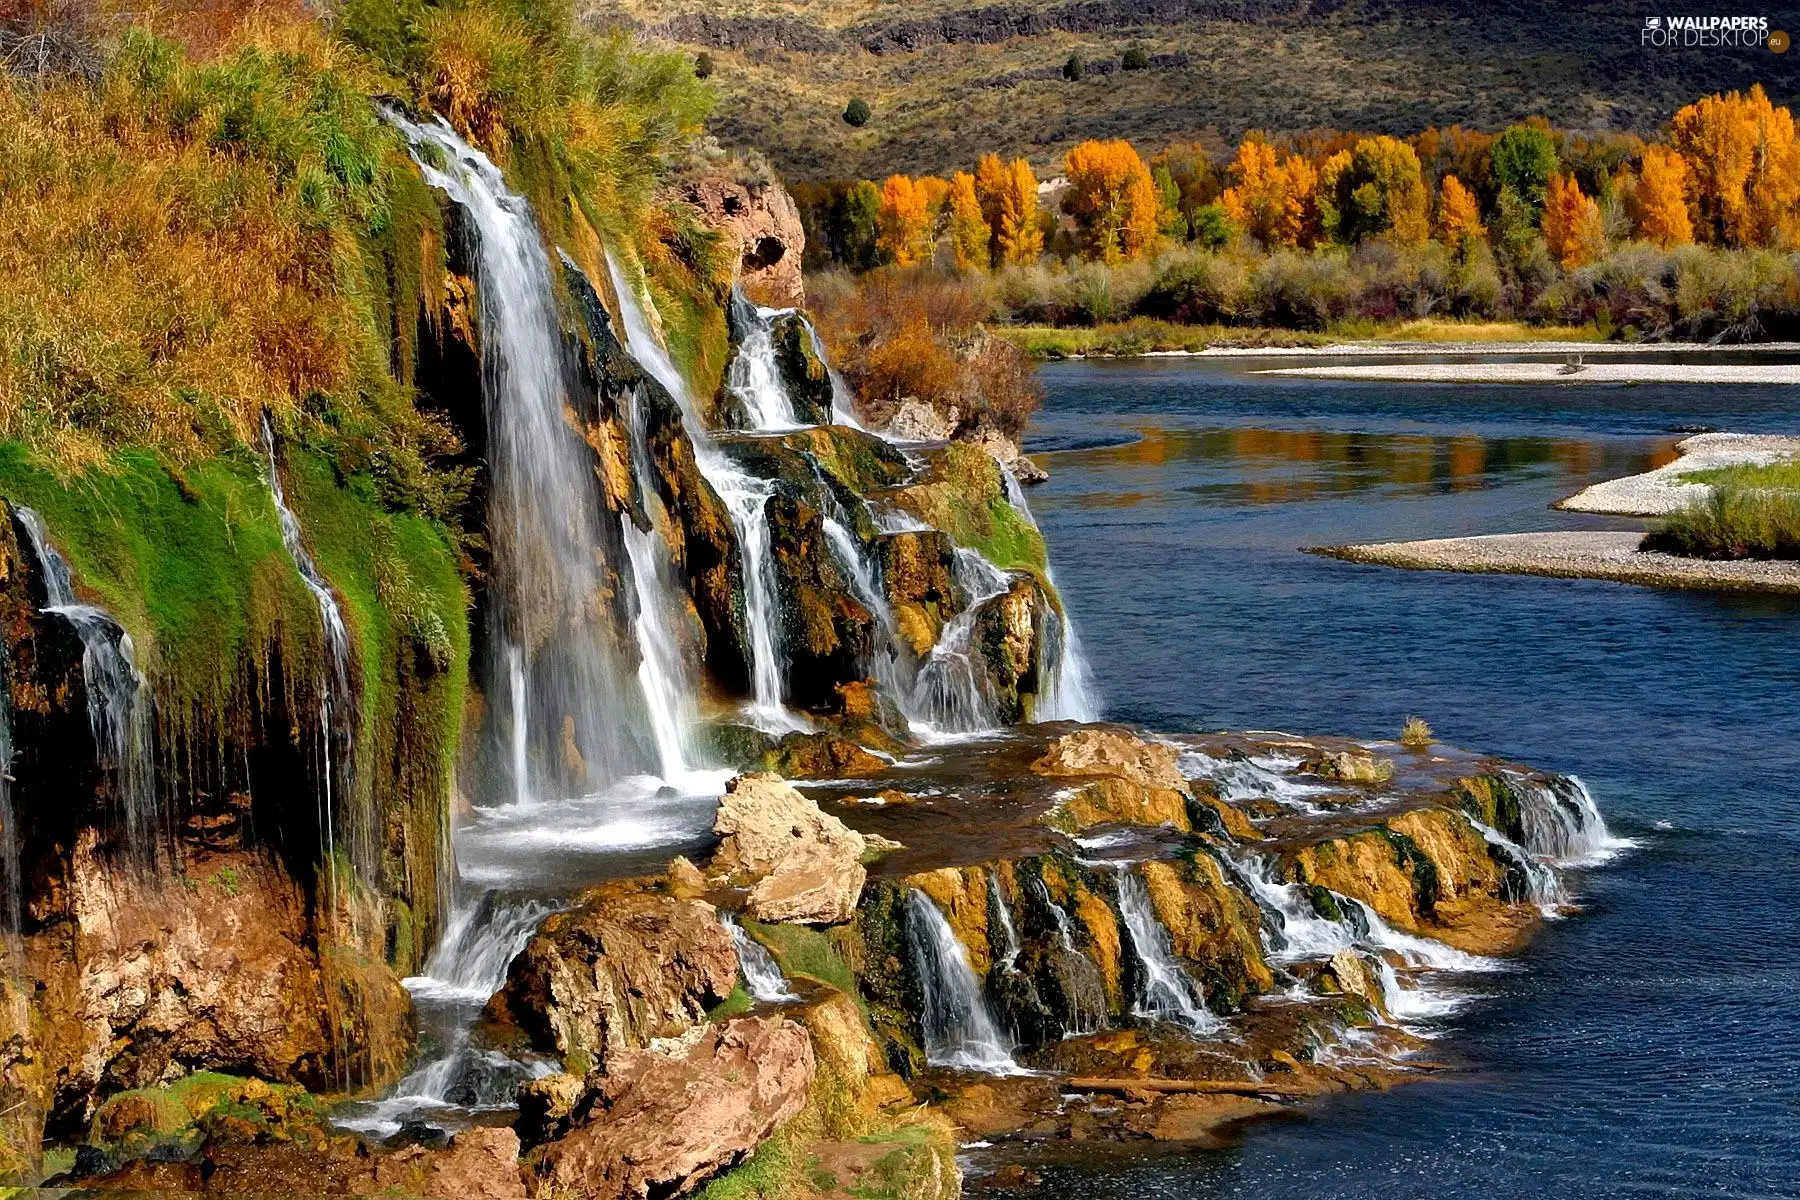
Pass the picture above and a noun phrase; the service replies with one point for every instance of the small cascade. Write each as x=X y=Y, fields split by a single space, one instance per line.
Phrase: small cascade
x=1008 y=958
x=754 y=376
x=337 y=697
x=1257 y=777
x=463 y=973
x=1066 y=690
x=762 y=975
x=118 y=697
x=1084 y=1019
x=952 y=694
x=1561 y=822
x=959 y=1031
x=572 y=705
x=746 y=499
x=843 y=404
x=890 y=663
x=1527 y=878
x=1166 y=992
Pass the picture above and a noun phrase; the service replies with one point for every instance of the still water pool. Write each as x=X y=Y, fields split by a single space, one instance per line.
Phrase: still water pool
x=1650 y=1045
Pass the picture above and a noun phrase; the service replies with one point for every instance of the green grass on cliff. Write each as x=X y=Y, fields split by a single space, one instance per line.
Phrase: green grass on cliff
x=963 y=495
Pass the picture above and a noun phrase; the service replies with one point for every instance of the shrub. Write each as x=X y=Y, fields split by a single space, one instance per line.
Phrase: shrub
x=856 y=113
x=1135 y=59
x=1074 y=69
x=1415 y=734
x=1732 y=522
x=703 y=65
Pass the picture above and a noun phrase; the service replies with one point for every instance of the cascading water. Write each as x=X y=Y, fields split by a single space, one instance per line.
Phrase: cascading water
x=1084 y=1019
x=1528 y=879
x=761 y=973
x=463 y=973
x=12 y=885
x=843 y=404
x=746 y=499
x=959 y=1031
x=952 y=694
x=754 y=376
x=118 y=697
x=1257 y=777
x=572 y=708
x=1562 y=823
x=890 y=663
x=1165 y=991
x=337 y=697
x=1066 y=689
x=1008 y=958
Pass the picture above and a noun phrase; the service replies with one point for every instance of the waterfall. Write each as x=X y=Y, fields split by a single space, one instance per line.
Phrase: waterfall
x=337 y=696
x=1257 y=777
x=571 y=707
x=959 y=1031
x=952 y=694
x=1066 y=690
x=468 y=967
x=1562 y=823
x=1008 y=958
x=843 y=403
x=746 y=499
x=890 y=663
x=754 y=376
x=761 y=973
x=118 y=697
x=1166 y=992
x=1528 y=879
x=1084 y=1021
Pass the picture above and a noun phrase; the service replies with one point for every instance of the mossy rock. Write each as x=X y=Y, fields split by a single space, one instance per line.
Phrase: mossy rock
x=803 y=373
x=963 y=494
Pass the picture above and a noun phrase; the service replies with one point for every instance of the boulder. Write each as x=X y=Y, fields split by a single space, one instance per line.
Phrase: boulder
x=761 y=218
x=916 y=421
x=1350 y=766
x=660 y=1122
x=624 y=966
x=807 y=863
x=1128 y=781
x=1006 y=452
x=822 y=756
x=1356 y=977
x=479 y=1164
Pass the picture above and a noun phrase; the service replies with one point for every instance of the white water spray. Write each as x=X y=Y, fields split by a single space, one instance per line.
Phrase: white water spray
x=754 y=376
x=762 y=975
x=1166 y=992
x=959 y=1031
x=118 y=697
x=952 y=694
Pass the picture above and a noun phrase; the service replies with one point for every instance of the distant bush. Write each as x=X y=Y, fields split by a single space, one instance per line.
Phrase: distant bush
x=1733 y=522
x=1135 y=59
x=856 y=113
x=1074 y=68
x=703 y=65
x=1416 y=734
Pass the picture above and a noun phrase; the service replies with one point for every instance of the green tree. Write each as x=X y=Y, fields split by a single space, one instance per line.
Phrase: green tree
x=703 y=65
x=1074 y=68
x=856 y=113
x=854 y=225
x=1135 y=59
x=1211 y=227
x=1524 y=159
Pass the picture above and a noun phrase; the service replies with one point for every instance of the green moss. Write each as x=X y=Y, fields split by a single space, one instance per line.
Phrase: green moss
x=734 y=1005
x=964 y=496
x=770 y=1172
x=1411 y=858
x=1324 y=903
x=804 y=952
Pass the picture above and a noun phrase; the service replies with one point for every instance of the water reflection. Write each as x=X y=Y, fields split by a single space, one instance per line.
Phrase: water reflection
x=1260 y=465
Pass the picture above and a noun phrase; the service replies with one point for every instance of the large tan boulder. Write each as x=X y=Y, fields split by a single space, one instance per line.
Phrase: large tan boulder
x=1125 y=780
x=807 y=864
x=624 y=966
x=660 y=1122
x=761 y=218
x=480 y=1163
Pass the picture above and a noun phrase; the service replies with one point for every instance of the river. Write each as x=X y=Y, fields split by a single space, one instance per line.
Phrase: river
x=1649 y=1045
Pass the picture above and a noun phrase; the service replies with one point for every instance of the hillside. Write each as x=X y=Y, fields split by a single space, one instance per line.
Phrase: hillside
x=947 y=81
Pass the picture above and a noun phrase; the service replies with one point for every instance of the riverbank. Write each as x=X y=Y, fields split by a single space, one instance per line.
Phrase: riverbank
x=1575 y=554
x=1668 y=488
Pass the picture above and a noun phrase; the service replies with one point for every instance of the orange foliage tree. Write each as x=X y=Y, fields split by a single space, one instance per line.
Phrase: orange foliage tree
x=1572 y=224
x=1017 y=234
x=969 y=233
x=1745 y=164
x=992 y=179
x=1659 y=205
x=903 y=222
x=1111 y=196
x=1459 y=214
x=1271 y=198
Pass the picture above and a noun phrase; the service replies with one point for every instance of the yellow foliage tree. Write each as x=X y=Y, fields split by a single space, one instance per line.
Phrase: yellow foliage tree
x=969 y=233
x=1017 y=233
x=903 y=222
x=1572 y=224
x=1271 y=198
x=936 y=191
x=992 y=179
x=1659 y=207
x=1745 y=167
x=1113 y=199
x=1374 y=189
x=1459 y=214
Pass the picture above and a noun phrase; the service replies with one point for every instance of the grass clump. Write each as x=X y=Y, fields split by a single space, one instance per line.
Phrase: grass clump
x=1733 y=521
x=804 y=952
x=1416 y=734
x=963 y=495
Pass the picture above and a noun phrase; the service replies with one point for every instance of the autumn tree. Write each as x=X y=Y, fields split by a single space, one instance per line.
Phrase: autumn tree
x=1273 y=199
x=1459 y=214
x=936 y=191
x=1018 y=236
x=903 y=222
x=1745 y=168
x=1112 y=197
x=1659 y=202
x=992 y=179
x=1374 y=189
x=1189 y=170
x=969 y=233
x=1572 y=224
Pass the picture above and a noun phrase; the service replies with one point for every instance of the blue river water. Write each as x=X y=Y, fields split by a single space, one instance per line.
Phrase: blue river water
x=1649 y=1046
